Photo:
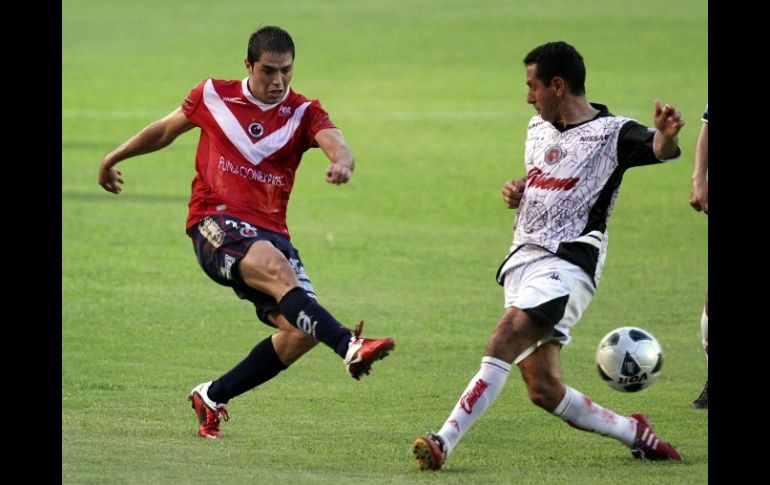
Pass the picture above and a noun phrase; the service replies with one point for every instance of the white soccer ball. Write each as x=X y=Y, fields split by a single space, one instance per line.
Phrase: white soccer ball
x=629 y=359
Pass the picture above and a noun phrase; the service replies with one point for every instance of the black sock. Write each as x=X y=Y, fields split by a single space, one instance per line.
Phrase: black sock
x=261 y=365
x=306 y=314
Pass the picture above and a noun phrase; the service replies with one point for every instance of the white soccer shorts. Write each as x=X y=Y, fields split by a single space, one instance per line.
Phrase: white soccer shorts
x=533 y=284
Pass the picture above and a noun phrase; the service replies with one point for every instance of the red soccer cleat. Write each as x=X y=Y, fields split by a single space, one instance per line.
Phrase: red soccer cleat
x=429 y=451
x=362 y=352
x=208 y=412
x=648 y=445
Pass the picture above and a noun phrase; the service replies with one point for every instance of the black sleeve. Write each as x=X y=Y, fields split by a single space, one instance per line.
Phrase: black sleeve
x=635 y=146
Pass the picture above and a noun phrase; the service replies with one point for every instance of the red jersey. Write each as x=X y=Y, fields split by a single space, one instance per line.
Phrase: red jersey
x=248 y=152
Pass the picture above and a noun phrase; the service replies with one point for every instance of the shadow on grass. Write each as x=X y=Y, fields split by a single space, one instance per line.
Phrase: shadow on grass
x=100 y=196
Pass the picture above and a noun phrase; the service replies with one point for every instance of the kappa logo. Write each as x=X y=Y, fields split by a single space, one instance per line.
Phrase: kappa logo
x=256 y=129
x=538 y=123
x=554 y=154
x=306 y=323
x=284 y=111
x=235 y=100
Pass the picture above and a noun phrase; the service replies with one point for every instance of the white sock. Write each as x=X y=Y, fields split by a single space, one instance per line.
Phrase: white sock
x=582 y=413
x=481 y=392
x=704 y=331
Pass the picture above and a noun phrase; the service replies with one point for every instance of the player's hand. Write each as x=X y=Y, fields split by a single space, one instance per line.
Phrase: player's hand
x=110 y=178
x=699 y=196
x=667 y=119
x=513 y=190
x=338 y=173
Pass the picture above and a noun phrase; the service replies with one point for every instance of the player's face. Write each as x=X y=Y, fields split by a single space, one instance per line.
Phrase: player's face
x=542 y=97
x=270 y=75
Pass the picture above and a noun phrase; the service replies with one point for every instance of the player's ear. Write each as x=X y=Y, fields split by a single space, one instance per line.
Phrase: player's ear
x=559 y=85
x=248 y=65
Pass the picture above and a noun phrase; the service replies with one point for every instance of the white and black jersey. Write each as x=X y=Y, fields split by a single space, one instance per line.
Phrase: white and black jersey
x=573 y=178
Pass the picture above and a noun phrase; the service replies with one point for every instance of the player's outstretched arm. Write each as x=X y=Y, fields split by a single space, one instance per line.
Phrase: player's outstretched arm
x=154 y=136
x=668 y=122
x=513 y=190
x=336 y=149
x=699 y=191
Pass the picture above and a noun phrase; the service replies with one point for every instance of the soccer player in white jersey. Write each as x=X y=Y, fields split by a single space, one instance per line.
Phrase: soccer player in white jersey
x=699 y=200
x=576 y=153
x=254 y=132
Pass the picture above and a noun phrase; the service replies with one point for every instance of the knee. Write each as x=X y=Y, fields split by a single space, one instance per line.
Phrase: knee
x=291 y=345
x=513 y=333
x=270 y=268
x=545 y=392
x=303 y=341
x=544 y=397
x=506 y=332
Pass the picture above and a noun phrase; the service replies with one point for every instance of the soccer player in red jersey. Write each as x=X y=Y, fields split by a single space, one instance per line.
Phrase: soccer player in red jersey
x=253 y=133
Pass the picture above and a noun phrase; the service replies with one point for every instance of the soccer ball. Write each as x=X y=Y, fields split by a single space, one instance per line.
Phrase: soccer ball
x=629 y=359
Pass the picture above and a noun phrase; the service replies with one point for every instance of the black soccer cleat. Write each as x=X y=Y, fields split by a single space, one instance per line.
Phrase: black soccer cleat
x=703 y=400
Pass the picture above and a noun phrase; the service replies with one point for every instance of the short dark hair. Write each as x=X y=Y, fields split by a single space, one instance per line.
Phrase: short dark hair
x=269 y=39
x=559 y=59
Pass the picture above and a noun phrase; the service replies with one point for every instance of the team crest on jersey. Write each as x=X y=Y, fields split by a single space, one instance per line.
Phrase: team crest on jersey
x=256 y=129
x=284 y=111
x=554 y=154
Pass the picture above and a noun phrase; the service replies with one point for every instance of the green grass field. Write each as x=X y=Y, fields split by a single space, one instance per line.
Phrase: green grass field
x=431 y=97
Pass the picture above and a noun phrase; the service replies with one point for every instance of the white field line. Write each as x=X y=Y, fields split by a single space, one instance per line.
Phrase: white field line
x=73 y=114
